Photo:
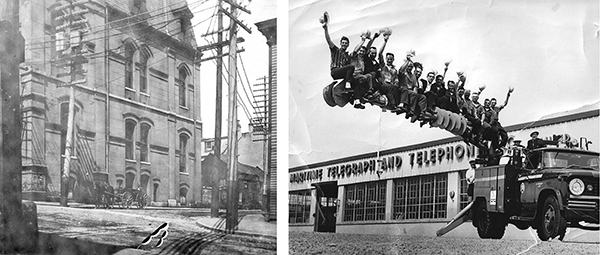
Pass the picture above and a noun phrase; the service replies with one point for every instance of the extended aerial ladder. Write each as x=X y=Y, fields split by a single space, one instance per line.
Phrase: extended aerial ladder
x=335 y=94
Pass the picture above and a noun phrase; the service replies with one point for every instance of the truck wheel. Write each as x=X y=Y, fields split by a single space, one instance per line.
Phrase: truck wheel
x=551 y=220
x=498 y=227
x=489 y=225
x=563 y=228
x=484 y=221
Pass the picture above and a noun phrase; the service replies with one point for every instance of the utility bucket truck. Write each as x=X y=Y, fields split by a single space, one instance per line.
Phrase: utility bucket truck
x=556 y=188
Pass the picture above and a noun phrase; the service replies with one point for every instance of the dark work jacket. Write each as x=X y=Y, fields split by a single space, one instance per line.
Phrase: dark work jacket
x=448 y=102
x=371 y=65
x=438 y=88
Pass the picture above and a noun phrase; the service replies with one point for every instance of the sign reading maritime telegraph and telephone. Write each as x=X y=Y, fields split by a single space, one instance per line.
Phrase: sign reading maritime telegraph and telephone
x=420 y=158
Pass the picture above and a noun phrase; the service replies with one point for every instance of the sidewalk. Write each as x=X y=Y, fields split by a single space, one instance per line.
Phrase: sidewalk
x=251 y=225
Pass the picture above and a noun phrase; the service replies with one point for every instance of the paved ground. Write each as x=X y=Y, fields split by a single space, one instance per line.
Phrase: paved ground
x=105 y=231
x=347 y=244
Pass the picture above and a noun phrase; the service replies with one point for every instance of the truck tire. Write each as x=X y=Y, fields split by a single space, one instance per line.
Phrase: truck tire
x=483 y=221
x=551 y=221
x=563 y=229
x=489 y=225
x=498 y=226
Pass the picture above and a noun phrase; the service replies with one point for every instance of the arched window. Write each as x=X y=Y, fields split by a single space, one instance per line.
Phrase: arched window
x=155 y=192
x=144 y=145
x=183 y=139
x=144 y=182
x=129 y=52
x=183 y=196
x=129 y=179
x=129 y=132
x=58 y=38
x=144 y=72
x=181 y=82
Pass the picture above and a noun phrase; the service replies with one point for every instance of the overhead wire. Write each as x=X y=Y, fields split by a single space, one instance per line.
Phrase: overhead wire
x=248 y=82
x=135 y=16
x=163 y=23
x=104 y=52
x=239 y=99
x=253 y=104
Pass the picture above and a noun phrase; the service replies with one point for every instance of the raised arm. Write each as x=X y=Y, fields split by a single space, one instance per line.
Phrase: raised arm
x=445 y=70
x=402 y=68
x=506 y=101
x=462 y=79
x=380 y=55
x=327 y=37
x=370 y=43
x=362 y=41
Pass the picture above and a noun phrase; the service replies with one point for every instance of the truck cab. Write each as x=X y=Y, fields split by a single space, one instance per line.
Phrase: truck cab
x=557 y=191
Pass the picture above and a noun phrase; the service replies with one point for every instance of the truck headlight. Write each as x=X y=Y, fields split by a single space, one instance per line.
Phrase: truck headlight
x=576 y=186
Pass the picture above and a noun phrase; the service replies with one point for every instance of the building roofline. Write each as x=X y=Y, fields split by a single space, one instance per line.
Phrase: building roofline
x=511 y=128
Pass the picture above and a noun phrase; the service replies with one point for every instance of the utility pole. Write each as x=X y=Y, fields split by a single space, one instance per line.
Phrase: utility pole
x=218 y=46
x=214 y=208
x=230 y=221
x=232 y=203
x=232 y=43
x=74 y=61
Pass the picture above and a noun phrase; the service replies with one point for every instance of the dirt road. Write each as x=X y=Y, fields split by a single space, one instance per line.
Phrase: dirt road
x=127 y=228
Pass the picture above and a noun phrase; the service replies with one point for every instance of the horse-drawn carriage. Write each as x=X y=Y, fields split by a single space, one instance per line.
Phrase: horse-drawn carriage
x=108 y=197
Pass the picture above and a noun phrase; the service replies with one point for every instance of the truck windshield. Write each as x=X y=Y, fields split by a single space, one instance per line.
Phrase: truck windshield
x=560 y=159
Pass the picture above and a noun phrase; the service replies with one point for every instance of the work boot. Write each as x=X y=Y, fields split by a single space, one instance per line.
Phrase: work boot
x=409 y=114
x=413 y=118
x=428 y=116
x=399 y=109
x=358 y=104
x=431 y=111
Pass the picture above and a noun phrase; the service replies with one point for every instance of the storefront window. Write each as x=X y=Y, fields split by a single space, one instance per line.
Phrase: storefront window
x=464 y=186
x=422 y=197
x=365 y=202
x=441 y=196
x=299 y=206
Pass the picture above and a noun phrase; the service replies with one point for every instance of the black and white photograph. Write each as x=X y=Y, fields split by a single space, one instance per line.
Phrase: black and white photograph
x=138 y=127
x=444 y=127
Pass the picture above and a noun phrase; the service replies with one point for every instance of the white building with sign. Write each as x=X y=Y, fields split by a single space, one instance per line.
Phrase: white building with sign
x=416 y=184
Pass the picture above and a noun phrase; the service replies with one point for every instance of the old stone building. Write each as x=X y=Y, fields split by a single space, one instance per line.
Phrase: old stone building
x=137 y=117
